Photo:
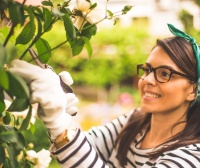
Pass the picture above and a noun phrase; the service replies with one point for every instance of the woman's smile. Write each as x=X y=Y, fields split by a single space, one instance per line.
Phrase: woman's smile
x=151 y=95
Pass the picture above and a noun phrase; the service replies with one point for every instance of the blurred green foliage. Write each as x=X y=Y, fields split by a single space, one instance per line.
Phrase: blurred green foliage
x=187 y=20
x=197 y=2
x=116 y=52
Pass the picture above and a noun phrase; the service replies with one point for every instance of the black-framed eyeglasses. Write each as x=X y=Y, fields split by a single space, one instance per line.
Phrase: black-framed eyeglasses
x=162 y=73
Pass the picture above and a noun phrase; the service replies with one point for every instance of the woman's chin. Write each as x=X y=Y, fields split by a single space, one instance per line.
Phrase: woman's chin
x=146 y=108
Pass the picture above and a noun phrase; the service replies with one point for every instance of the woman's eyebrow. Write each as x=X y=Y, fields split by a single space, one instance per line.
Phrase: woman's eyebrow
x=148 y=64
x=163 y=66
x=167 y=66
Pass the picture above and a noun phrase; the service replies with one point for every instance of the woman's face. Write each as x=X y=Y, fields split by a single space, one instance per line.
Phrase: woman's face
x=174 y=95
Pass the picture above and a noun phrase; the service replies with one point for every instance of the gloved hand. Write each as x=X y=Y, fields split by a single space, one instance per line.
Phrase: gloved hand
x=45 y=89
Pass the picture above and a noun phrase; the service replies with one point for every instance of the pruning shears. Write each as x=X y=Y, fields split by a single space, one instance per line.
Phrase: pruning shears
x=66 y=88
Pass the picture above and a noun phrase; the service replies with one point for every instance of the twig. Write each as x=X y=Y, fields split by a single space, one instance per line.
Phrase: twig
x=36 y=58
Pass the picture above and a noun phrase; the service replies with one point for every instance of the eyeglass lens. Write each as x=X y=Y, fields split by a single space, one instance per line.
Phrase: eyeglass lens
x=161 y=74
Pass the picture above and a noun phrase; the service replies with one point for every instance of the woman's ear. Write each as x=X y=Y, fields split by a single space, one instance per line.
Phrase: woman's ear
x=192 y=92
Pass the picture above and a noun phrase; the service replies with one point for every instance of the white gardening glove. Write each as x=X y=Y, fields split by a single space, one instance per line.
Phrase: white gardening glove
x=45 y=89
x=71 y=98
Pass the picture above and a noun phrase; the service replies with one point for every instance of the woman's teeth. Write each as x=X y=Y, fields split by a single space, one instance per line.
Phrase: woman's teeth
x=151 y=95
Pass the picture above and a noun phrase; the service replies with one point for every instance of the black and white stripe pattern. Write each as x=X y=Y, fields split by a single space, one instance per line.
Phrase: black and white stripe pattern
x=94 y=149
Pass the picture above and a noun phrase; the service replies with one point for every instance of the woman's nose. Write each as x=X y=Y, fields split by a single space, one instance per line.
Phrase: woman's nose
x=150 y=78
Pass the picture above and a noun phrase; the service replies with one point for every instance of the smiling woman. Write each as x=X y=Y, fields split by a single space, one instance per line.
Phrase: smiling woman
x=168 y=87
x=164 y=87
x=163 y=132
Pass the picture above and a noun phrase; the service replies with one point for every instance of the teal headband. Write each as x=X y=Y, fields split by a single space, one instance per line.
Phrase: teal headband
x=196 y=49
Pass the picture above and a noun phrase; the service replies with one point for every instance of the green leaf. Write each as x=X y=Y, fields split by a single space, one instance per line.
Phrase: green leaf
x=19 y=104
x=7 y=163
x=89 y=30
x=2 y=107
x=38 y=14
x=2 y=154
x=4 y=31
x=32 y=128
x=21 y=140
x=27 y=164
x=69 y=27
x=4 y=79
x=1 y=94
x=3 y=56
x=12 y=156
x=17 y=86
x=47 y=19
x=3 y=5
x=39 y=28
x=6 y=118
x=115 y=21
x=93 y=6
x=42 y=47
x=2 y=103
x=16 y=13
x=18 y=121
x=77 y=46
x=126 y=9
x=26 y=34
x=88 y=46
x=12 y=137
x=26 y=121
x=8 y=134
x=47 y=3
x=110 y=14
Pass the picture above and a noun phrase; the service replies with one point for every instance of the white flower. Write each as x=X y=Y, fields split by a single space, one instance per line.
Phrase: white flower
x=31 y=154
x=22 y=114
x=88 y=15
x=41 y=159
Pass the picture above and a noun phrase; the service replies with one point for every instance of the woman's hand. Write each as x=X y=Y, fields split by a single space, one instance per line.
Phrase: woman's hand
x=45 y=89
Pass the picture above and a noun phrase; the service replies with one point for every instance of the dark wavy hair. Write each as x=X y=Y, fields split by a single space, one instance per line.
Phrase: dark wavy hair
x=182 y=54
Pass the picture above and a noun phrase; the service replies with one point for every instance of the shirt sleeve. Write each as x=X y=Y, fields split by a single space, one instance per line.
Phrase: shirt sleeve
x=89 y=149
x=184 y=157
x=102 y=138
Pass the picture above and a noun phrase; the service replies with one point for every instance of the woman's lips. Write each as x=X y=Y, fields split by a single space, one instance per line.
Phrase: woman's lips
x=151 y=95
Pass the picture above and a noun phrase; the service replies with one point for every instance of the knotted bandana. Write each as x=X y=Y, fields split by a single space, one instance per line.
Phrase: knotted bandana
x=196 y=49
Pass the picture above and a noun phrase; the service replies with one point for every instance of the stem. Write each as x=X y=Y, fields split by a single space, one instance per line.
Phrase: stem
x=24 y=53
x=49 y=50
x=53 y=48
x=35 y=58
x=24 y=2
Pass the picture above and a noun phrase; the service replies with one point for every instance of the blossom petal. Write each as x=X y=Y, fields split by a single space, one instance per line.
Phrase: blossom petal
x=82 y=5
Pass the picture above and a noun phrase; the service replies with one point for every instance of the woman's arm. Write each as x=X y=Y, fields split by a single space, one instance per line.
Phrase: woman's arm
x=92 y=148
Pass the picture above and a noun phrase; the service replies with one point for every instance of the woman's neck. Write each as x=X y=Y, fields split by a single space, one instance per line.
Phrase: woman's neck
x=162 y=128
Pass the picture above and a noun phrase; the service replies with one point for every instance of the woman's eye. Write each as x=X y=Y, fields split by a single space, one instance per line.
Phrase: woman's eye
x=165 y=74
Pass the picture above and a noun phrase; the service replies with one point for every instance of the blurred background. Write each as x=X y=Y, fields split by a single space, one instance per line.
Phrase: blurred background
x=106 y=83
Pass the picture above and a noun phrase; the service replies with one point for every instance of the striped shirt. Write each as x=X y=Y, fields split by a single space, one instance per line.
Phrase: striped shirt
x=95 y=149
